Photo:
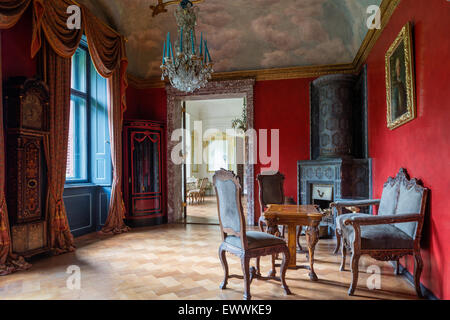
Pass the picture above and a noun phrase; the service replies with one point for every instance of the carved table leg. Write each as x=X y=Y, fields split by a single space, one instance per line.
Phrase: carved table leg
x=223 y=260
x=292 y=245
x=312 y=237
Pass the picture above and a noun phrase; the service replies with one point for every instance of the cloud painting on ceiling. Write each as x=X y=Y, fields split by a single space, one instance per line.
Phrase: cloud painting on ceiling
x=243 y=34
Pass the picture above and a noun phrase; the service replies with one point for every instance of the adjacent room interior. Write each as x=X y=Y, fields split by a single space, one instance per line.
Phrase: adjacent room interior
x=334 y=186
x=220 y=148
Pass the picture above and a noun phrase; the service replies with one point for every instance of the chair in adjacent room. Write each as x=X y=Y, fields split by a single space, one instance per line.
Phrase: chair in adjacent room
x=395 y=232
x=238 y=241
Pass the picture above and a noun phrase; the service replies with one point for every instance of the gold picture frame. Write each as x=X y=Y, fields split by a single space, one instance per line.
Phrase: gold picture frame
x=400 y=81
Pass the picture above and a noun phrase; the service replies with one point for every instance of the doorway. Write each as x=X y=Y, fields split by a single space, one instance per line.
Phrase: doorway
x=222 y=89
x=210 y=144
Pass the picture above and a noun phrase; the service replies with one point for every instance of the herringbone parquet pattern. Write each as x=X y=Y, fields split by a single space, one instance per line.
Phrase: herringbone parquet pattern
x=181 y=262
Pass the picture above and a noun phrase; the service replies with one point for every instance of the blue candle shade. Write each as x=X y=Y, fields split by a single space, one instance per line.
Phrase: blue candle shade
x=206 y=49
x=168 y=42
x=171 y=51
x=164 y=52
x=181 y=40
x=192 y=41
x=201 y=44
x=209 y=57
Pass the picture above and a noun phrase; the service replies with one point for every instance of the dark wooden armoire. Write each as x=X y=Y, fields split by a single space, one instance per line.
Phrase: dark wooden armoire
x=27 y=122
x=144 y=174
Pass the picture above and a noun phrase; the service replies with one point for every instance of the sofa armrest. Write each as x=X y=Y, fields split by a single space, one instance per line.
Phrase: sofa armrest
x=354 y=203
x=388 y=219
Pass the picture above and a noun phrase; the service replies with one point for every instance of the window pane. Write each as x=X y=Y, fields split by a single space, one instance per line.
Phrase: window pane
x=79 y=70
x=77 y=150
x=217 y=155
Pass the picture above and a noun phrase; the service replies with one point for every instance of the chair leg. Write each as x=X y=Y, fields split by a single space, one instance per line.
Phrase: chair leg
x=355 y=270
x=344 y=255
x=258 y=266
x=284 y=265
x=418 y=266
x=299 y=233
x=245 y=263
x=223 y=260
x=397 y=267
x=273 y=272
x=338 y=241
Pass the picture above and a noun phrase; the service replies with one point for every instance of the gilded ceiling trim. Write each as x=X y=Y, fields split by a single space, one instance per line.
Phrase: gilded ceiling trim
x=387 y=8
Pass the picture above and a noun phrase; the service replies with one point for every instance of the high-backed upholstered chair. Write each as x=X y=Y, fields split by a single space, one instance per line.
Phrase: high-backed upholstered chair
x=238 y=241
x=393 y=233
x=271 y=191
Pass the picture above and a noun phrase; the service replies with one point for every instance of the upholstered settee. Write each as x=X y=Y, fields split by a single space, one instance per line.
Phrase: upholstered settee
x=393 y=233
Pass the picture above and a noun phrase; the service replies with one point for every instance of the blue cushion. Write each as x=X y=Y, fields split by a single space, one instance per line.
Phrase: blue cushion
x=255 y=239
x=389 y=199
x=228 y=205
x=380 y=236
x=409 y=201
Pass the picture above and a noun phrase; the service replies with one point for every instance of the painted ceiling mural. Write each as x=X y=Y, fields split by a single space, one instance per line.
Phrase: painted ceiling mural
x=244 y=34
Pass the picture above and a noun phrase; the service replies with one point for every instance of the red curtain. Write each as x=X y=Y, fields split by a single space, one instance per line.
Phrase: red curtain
x=57 y=75
x=9 y=262
x=107 y=49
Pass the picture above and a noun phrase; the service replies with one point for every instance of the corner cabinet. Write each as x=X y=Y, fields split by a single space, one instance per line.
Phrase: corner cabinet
x=144 y=172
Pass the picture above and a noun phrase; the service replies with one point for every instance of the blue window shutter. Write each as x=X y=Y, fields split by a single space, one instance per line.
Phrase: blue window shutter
x=100 y=143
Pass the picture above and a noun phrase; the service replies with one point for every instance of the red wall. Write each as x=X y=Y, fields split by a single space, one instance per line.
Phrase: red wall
x=421 y=146
x=146 y=104
x=284 y=105
x=280 y=104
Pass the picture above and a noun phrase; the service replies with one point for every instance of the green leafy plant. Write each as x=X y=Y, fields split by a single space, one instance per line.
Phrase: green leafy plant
x=241 y=123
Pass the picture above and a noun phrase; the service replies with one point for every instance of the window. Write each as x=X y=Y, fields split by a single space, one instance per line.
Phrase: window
x=88 y=153
x=77 y=149
x=218 y=155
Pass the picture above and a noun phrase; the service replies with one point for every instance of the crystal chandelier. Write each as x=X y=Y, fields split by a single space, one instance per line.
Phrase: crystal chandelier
x=187 y=68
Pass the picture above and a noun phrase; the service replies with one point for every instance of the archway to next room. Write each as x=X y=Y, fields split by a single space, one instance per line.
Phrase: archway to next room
x=216 y=92
x=212 y=140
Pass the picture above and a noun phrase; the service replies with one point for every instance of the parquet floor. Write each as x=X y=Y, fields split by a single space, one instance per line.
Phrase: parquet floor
x=203 y=213
x=181 y=262
x=206 y=212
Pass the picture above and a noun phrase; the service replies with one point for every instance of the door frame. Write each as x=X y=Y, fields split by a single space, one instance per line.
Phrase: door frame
x=214 y=90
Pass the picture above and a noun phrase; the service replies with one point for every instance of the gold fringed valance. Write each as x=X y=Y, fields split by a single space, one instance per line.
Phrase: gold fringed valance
x=11 y=11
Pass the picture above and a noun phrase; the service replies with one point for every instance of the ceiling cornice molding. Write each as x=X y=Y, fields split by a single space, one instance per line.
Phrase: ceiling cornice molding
x=387 y=8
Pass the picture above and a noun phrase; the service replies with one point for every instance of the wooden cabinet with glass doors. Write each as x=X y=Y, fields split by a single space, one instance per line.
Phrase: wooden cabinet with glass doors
x=144 y=163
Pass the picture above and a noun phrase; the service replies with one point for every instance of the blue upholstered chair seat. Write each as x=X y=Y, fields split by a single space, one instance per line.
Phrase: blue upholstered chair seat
x=380 y=236
x=255 y=240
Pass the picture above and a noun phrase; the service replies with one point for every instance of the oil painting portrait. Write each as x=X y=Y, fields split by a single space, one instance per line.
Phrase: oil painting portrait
x=400 y=80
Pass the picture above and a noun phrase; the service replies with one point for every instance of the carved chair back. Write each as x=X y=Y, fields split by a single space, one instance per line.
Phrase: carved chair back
x=229 y=205
x=203 y=184
x=271 y=189
x=402 y=195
